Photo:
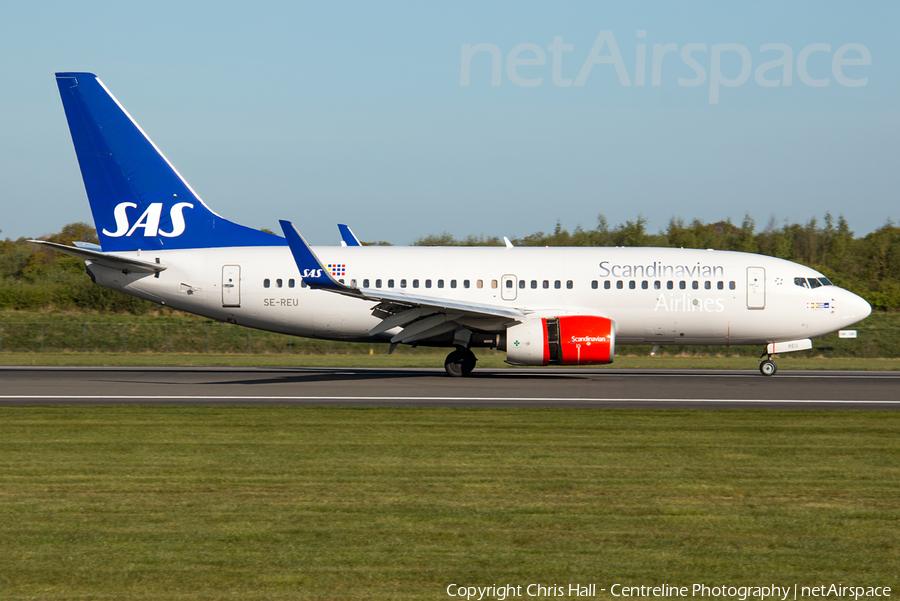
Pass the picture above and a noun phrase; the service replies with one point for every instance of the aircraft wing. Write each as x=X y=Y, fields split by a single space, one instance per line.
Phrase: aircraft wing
x=419 y=316
x=125 y=264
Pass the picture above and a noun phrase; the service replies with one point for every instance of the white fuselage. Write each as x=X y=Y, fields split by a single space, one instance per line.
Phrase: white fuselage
x=654 y=295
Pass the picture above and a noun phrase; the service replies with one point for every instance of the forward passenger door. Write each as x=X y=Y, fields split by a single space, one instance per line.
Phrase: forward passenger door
x=756 y=288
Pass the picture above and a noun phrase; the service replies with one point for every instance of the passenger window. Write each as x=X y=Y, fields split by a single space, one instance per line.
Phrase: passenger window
x=657 y=285
x=465 y=283
x=440 y=283
x=479 y=284
x=428 y=283
x=341 y=280
x=619 y=285
x=682 y=285
x=366 y=283
x=378 y=283
x=645 y=285
x=279 y=282
x=557 y=284
x=291 y=283
x=631 y=285
x=695 y=285
x=353 y=283
x=302 y=284
x=670 y=285
x=415 y=283
x=534 y=284
x=494 y=284
x=453 y=283
x=606 y=284
x=546 y=284
x=731 y=285
x=390 y=283
x=707 y=285
x=522 y=284
x=720 y=285
x=594 y=284
x=403 y=283
x=509 y=283
x=569 y=284
x=266 y=283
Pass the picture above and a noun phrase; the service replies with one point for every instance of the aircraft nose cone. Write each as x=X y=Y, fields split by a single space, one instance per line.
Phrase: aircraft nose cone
x=855 y=308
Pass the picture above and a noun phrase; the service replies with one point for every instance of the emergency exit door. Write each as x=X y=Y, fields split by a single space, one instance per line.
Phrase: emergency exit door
x=231 y=285
x=756 y=288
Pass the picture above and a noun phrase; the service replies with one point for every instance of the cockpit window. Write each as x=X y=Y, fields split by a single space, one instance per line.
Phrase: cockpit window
x=814 y=283
x=801 y=282
x=826 y=282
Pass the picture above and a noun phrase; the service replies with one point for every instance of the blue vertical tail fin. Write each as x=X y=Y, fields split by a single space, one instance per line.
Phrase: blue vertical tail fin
x=138 y=200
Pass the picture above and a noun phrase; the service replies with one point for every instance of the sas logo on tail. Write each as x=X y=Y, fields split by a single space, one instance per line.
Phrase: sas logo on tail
x=149 y=221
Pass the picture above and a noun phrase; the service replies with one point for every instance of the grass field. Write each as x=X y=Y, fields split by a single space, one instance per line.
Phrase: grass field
x=339 y=503
x=173 y=332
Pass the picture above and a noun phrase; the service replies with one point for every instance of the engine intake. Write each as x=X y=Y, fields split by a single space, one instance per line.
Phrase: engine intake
x=565 y=340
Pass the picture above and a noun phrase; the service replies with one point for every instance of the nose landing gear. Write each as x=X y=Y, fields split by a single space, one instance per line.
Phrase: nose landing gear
x=460 y=362
x=767 y=367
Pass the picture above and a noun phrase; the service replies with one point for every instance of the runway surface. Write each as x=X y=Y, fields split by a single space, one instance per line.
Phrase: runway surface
x=670 y=389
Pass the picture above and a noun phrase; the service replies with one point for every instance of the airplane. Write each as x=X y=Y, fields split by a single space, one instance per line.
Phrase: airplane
x=541 y=306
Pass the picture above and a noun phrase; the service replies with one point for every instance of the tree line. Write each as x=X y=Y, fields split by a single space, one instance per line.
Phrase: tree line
x=33 y=277
x=867 y=265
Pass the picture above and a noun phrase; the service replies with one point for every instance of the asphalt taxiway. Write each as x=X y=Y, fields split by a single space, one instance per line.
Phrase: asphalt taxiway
x=670 y=389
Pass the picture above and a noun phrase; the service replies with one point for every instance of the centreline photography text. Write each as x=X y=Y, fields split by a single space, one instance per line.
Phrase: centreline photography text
x=500 y=592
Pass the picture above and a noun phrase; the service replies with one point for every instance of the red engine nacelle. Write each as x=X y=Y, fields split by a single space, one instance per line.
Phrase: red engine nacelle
x=565 y=340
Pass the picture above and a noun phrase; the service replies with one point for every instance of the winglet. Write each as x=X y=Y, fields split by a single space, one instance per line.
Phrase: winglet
x=347 y=237
x=311 y=269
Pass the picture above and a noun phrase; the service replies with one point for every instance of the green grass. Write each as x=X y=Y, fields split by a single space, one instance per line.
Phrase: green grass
x=432 y=358
x=180 y=333
x=338 y=503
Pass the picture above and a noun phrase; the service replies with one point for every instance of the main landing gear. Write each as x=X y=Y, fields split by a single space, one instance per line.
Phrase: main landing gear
x=767 y=367
x=460 y=362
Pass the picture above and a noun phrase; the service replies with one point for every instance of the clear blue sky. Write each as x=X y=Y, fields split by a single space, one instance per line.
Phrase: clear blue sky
x=354 y=112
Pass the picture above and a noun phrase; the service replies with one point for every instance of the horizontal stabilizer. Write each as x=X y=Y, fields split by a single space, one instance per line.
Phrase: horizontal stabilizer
x=105 y=259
